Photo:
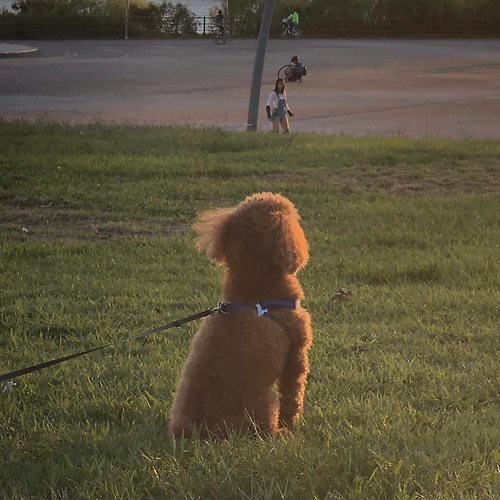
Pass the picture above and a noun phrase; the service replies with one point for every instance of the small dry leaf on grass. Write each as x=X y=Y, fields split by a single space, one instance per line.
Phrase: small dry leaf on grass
x=342 y=293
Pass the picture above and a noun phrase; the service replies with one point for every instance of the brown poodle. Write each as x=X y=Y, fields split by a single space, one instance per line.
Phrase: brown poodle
x=247 y=365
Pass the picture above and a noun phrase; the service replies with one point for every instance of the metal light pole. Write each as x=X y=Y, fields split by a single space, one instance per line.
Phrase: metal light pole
x=258 y=68
x=126 y=19
x=224 y=32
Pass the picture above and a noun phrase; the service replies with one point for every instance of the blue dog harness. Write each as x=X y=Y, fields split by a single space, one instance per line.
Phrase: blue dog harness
x=261 y=307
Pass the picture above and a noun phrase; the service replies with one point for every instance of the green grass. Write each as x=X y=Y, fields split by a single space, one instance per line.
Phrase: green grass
x=403 y=396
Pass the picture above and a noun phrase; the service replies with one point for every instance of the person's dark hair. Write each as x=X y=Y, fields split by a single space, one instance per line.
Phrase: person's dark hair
x=276 y=85
x=220 y=13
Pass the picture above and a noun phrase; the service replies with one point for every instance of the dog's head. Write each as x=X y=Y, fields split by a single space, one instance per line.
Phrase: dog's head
x=263 y=230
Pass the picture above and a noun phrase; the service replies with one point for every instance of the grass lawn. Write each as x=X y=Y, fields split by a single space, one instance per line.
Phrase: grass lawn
x=403 y=396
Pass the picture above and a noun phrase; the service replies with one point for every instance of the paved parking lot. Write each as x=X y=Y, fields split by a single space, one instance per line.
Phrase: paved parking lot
x=361 y=87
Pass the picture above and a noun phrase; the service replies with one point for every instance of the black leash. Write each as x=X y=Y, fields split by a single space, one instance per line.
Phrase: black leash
x=179 y=322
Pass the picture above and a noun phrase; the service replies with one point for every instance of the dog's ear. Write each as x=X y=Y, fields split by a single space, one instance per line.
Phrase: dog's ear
x=290 y=248
x=212 y=233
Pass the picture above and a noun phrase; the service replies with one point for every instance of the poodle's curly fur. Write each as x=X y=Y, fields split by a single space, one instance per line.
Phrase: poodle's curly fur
x=246 y=373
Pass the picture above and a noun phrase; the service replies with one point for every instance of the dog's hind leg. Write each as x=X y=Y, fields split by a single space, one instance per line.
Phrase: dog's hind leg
x=263 y=415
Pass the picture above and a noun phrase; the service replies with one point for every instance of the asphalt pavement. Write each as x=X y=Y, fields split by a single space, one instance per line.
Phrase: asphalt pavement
x=414 y=88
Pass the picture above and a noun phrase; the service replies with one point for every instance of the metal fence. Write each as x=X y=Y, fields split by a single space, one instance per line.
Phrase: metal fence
x=15 y=27
x=403 y=28
x=46 y=28
x=90 y=27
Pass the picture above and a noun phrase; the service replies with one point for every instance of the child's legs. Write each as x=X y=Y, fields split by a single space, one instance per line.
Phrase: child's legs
x=284 y=124
x=276 y=126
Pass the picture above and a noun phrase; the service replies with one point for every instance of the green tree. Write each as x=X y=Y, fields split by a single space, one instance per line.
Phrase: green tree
x=168 y=18
x=72 y=7
x=178 y=19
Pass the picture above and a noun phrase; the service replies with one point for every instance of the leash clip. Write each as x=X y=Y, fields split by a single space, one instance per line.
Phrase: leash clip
x=220 y=308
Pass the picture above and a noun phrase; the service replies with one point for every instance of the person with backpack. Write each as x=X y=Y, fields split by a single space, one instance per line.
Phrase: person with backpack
x=277 y=107
x=298 y=70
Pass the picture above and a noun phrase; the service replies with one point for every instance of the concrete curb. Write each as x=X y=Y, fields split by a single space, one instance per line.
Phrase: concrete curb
x=7 y=50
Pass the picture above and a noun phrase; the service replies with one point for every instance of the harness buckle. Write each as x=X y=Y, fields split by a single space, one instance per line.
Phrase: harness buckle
x=260 y=311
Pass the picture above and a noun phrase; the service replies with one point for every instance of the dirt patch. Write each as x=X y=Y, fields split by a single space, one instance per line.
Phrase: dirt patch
x=18 y=223
x=443 y=178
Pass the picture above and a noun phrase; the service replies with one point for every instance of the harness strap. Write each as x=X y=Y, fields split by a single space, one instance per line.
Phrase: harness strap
x=261 y=307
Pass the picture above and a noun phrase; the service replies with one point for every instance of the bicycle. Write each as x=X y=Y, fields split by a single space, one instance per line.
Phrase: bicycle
x=285 y=71
x=219 y=37
x=286 y=31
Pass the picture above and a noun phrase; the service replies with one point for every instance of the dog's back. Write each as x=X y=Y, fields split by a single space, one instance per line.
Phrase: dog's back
x=235 y=360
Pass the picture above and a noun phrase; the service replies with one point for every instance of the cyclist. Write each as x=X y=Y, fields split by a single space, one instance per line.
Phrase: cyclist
x=219 y=23
x=298 y=70
x=293 y=20
x=277 y=108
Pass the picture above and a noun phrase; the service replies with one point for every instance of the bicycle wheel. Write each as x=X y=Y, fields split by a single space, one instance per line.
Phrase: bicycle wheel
x=285 y=71
x=216 y=38
x=297 y=34
x=284 y=34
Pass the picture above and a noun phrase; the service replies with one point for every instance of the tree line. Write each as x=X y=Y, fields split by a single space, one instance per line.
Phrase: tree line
x=252 y=10
x=166 y=18
x=34 y=18
x=371 y=10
